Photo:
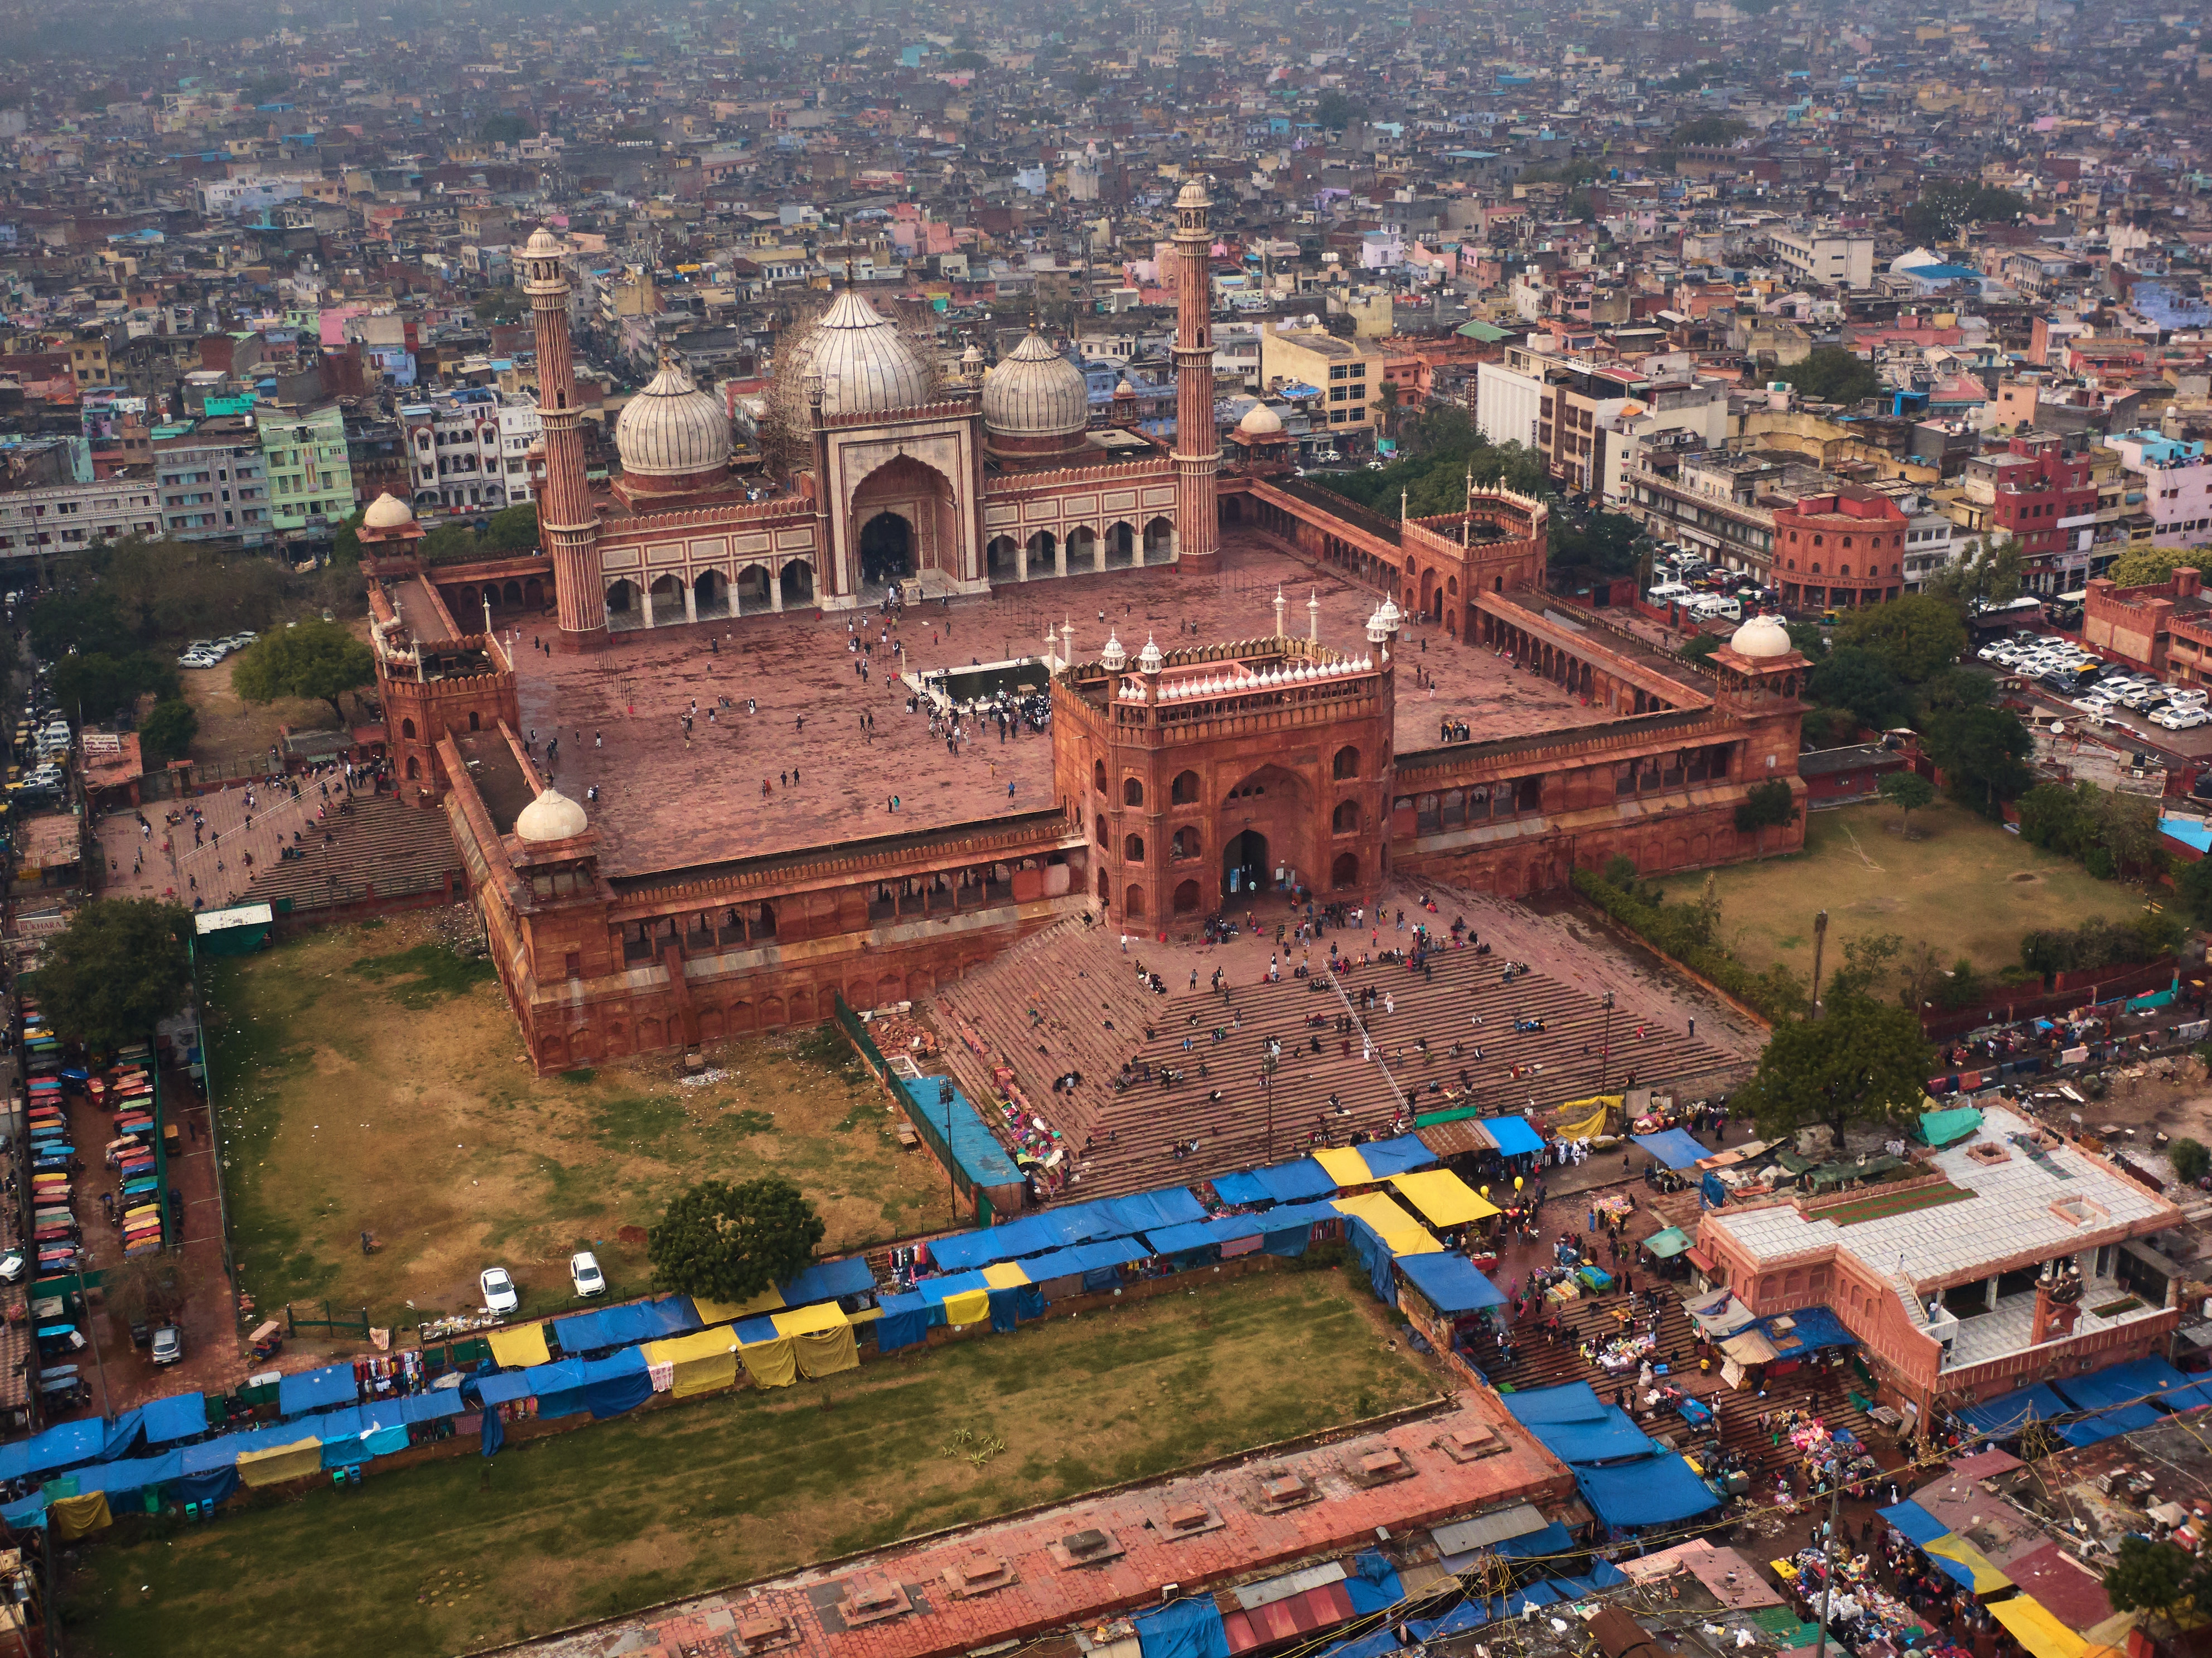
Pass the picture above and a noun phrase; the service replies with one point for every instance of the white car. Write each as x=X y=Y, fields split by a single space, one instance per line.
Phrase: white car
x=2180 y=719
x=2188 y=697
x=499 y=1291
x=584 y=1272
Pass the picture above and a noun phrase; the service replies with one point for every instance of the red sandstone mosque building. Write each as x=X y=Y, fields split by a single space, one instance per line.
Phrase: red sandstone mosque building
x=748 y=822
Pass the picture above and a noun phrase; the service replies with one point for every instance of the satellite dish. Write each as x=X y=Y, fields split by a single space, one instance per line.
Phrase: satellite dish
x=2057 y=729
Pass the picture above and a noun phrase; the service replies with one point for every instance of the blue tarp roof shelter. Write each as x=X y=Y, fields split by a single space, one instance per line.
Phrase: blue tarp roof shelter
x=316 y=1390
x=1183 y=1629
x=828 y=1281
x=1278 y=1183
x=1512 y=1135
x=560 y=1376
x=1402 y=1156
x=1660 y=1490
x=1198 y=1234
x=1552 y=1539
x=623 y=1325
x=1607 y=1439
x=501 y=1386
x=1672 y=1148
x=1915 y=1522
x=2122 y=1384
x=1451 y=1282
x=982 y=1159
x=1082 y=1258
x=180 y=1416
x=1811 y=1329
x=69 y=1444
x=935 y=1291
x=2013 y=1412
x=1056 y=1228
x=1570 y=1401
x=2193 y=1397
x=2108 y=1425
x=132 y=1474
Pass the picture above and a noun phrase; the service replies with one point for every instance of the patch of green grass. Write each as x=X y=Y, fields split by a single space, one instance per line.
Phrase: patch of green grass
x=425 y=975
x=737 y=1485
x=580 y=1074
x=749 y=1122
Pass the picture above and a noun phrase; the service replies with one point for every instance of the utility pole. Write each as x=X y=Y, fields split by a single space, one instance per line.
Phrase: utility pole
x=1828 y=1550
x=1819 y=943
x=1605 y=1049
x=951 y=1162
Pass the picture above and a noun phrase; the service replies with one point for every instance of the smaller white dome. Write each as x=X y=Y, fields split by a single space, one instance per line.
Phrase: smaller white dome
x=544 y=244
x=551 y=816
x=1149 y=659
x=1193 y=195
x=1390 y=616
x=1260 y=421
x=1113 y=659
x=1761 y=635
x=387 y=512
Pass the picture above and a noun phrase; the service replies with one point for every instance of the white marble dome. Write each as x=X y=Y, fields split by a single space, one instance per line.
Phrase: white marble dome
x=1035 y=393
x=544 y=244
x=672 y=428
x=551 y=816
x=1260 y=421
x=1761 y=635
x=387 y=512
x=865 y=366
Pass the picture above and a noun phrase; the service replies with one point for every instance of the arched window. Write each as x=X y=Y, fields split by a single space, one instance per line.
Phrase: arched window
x=1344 y=873
x=1098 y=776
x=1346 y=817
x=414 y=768
x=1133 y=848
x=1347 y=763
x=1185 y=845
x=1132 y=792
x=406 y=728
x=1099 y=826
x=1183 y=791
x=1133 y=904
x=1187 y=899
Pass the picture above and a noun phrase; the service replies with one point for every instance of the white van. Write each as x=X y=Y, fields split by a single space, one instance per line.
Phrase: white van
x=1667 y=591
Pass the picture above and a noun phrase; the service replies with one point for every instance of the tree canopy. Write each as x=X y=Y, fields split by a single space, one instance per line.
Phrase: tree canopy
x=317 y=662
x=1708 y=130
x=119 y=970
x=1862 y=1061
x=1915 y=636
x=1908 y=792
x=2144 y=567
x=1982 y=751
x=1985 y=574
x=98 y=684
x=1768 y=805
x=167 y=733
x=1608 y=543
x=1947 y=206
x=729 y=1242
x=2150 y=1577
x=1829 y=374
x=1861 y=680
x=2107 y=832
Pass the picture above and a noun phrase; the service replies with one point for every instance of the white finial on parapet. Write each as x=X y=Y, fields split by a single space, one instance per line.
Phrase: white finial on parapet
x=1313 y=615
x=1066 y=640
x=1281 y=609
x=1112 y=658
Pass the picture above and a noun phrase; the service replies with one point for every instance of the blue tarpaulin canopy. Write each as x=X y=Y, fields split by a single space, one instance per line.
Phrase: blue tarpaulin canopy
x=1660 y=1490
x=1198 y=1234
x=1183 y=1629
x=2125 y=1419
x=1530 y=1546
x=1672 y=1148
x=1278 y=1183
x=1913 y=1521
x=2122 y=1384
x=1372 y=1584
x=1580 y=1443
x=180 y=1416
x=2193 y=1397
x=623 y=1325
x=502 y=1387
x=1811 y=1329
x=69 y=1444
x=1082 y=1258
x=1451 y=1282
x=1402 y=1156
x=1511 y=1135
x=2009 y=1415
x=132 y=1474
x=316 y=1390
x=828 y=1281
x=936 y=1291
x=1570 y=1401
x=1056 y=1228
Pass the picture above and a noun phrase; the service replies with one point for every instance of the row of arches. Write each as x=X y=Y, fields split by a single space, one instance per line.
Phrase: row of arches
x=1084 y=549
x=1184 y=789
x=1188 y=898
x=710 y=596
x=1564 y=668
x=470 y=600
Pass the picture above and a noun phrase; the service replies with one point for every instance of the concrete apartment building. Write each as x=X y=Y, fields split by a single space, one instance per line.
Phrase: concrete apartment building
x=2177 y=486
x=469 y=450
x=1348 y=373
x=213 y=481
x=70 y=517
x=1943 y=1292
x=1824 y=255
x=1587 y=419
x=310 y=482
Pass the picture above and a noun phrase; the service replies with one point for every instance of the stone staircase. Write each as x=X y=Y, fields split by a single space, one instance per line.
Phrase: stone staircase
x=396 y=850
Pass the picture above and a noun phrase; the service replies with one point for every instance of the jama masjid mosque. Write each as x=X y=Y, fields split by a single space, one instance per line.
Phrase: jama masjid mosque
x=681 y=907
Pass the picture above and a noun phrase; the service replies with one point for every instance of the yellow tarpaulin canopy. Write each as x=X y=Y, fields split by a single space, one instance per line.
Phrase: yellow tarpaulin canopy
x=1585 y=1119
x=513 y=1348
x=1952 y=1546
x=704 y=1361
x=809 y=1320
x=825 y=1352
x=968 y=1307
x=72 y=1517
x=1345 y=1166
x=768 y=1301
x=1444 y=1197
x=1401 y=1232
x=2031 y=1623
x=297 y=1461
x=1005 y=1275
x=772 y=1363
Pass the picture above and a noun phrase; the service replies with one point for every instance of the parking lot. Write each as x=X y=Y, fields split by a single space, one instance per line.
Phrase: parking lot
x=2066 y=683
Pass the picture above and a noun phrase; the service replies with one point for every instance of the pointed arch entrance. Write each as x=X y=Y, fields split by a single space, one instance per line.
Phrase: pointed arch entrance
x=902 y=523
x=1244 y=866
x=886 y=549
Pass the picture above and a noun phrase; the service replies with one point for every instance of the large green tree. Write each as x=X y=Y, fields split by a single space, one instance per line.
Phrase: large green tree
x=1862 y=1061
x=1829 y=374
x=1947 y=206
x=167 y=733
x=1860 y=680
x=1908 y=792
x=1769 y=805
x=1983 y=575
x=96 y=685
x=1917 y=635
x=316 y=661
x=729 y=1242
x=1982 y=751
x=120 y=969
x=2144 y=567
x=2153 y=1578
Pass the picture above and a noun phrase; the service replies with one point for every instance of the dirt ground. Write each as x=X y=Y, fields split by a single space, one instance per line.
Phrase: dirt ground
x=1961 y=883
x=370 y=1080
x=454 y=1556
x=231 y=729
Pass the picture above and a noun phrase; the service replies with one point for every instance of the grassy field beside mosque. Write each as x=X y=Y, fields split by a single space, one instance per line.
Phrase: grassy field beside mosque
x=633 y=1511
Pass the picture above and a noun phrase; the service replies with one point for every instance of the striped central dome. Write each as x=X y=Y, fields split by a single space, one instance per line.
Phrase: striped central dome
x=865 y=366
x=1035 y=393
x=671 y=429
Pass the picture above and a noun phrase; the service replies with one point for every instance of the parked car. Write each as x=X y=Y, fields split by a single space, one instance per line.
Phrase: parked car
x=2180 y=719
x=11 y=1266
x=584 y=1272
x=169 y=1344
x=499 y=1291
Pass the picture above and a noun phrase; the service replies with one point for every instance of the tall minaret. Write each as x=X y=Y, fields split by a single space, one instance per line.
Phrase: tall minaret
x=1197 y=449
x=567 y=526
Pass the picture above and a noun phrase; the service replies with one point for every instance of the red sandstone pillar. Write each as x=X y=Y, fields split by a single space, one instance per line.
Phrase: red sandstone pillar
x=1197 y=447
x=568 y=525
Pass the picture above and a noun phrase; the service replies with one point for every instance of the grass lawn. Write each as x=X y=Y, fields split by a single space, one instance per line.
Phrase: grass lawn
x=1961 y=883
x=628 y=1512
x=370 y=1080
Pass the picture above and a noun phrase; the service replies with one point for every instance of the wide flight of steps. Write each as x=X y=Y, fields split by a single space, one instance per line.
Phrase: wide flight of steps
x=397 y=850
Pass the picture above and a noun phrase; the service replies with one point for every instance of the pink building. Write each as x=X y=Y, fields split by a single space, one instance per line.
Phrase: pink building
x=1936 y=1274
